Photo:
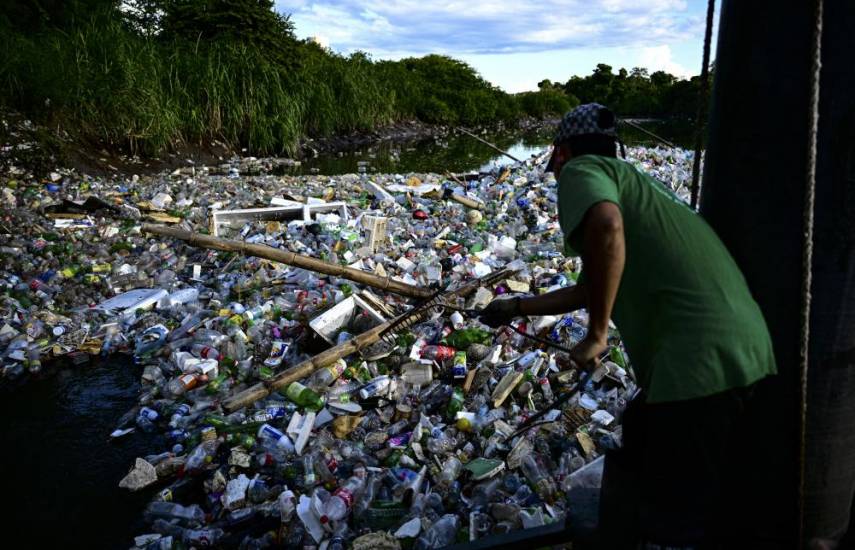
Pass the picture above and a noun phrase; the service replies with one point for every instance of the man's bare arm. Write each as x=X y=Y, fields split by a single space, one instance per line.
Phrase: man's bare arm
x=563 y=300
x=604 y=256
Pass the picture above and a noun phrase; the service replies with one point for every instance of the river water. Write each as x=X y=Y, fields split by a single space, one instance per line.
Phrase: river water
x=461 y=153
x=61 y=472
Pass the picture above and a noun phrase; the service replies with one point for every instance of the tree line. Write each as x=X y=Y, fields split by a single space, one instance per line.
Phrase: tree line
x=148 y=75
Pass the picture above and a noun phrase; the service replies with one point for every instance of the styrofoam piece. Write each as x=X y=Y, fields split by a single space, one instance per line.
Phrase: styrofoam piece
x=379 y=192
x=329 y=323
x=376 y=228
x=323 y=417
x=305 y=432
x=128 y=302
x=295 y=211
x=310 y=520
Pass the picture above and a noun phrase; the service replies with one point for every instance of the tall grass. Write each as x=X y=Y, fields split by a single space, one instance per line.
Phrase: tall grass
x=107 y=83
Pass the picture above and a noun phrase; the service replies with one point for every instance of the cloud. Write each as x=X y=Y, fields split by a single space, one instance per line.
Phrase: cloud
x=660 y=58
x=417 y=27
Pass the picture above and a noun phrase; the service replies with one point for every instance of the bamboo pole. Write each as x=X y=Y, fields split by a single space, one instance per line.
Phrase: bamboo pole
x=290 y=258
x=487 y=143
x=465 y=201
x=304 y=369
x=648 y=132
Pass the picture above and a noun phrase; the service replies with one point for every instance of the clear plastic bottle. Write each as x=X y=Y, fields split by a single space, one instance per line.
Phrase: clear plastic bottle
x=367 y=497
x=536 y=474
x=327 y=375
x=181 y=384
x=187 y=515
x=341 y=501
x=202 y=455
x=442 y=533
x=450 y=470
x=205 y=352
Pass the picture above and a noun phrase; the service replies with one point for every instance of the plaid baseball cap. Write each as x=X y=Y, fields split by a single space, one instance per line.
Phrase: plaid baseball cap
x=591 y=118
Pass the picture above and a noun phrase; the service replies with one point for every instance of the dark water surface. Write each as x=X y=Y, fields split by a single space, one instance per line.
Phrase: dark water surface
x=60 y=472
x=459 y=152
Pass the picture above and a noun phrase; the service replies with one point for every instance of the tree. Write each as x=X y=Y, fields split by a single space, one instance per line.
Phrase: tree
x=38 y=15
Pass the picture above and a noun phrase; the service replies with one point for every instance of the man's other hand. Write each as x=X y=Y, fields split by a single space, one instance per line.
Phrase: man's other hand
x=500 y=312
x=586 y=354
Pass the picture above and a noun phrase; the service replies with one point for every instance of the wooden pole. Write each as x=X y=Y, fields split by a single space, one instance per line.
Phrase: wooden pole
x=461 y=199
x=487 y=143
x=304 y=369
x=643 y=130
x=289 y=258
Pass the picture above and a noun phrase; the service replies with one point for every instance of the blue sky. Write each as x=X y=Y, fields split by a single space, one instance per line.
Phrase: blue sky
x=514 y=44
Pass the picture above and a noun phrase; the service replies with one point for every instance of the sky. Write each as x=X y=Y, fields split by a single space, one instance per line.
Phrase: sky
x=515 y=44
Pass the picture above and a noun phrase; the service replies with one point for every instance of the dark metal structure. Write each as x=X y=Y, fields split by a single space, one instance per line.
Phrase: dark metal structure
x=754 y=181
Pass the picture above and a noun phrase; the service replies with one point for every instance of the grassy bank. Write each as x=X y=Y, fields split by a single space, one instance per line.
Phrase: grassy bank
x=105 y=81
x=188 y=72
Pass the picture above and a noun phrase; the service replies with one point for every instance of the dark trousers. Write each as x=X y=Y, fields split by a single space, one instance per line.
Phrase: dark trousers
x=670 y=483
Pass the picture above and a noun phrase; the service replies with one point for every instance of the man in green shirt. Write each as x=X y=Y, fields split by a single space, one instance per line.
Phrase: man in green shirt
x=696 y=339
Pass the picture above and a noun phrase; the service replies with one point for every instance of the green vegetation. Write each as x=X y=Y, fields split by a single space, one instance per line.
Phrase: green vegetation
x=167 y=72
x=633 y=93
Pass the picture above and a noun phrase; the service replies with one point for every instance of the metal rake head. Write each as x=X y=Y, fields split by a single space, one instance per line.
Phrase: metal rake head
x=442 y=298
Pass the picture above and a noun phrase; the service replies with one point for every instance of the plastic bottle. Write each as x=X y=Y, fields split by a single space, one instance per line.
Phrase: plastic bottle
x=274 y=441
x=181 y=384
x=546 y=388
x=455 y=404
x=442 y=533
x=450 y=470
x=376 y=387
x=303 y=396
x=437 y=353
x=483 y=493
x=327 y=375
x=442 y=444
x=367 y=496
x=202 y=455
x=187 y=515
x=536 y=474
x=286 y=504
x=341 y=501
x=205 y=352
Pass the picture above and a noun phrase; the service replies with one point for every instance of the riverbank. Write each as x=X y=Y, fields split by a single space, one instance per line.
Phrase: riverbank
x=31 y=147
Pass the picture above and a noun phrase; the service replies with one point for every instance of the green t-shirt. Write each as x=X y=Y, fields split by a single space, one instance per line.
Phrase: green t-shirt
x=683 y=308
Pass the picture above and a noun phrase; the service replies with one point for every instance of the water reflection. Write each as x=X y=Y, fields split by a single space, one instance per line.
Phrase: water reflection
x=461 y=153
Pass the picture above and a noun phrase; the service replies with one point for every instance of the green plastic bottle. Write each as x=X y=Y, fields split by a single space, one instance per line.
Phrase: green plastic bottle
x=303 y=396
x=455 y=404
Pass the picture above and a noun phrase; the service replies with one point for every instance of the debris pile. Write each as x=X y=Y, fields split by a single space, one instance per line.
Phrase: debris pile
x=308 y=407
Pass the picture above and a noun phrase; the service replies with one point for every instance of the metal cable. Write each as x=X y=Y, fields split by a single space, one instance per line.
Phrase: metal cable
x=702 y=108
x=807 y=248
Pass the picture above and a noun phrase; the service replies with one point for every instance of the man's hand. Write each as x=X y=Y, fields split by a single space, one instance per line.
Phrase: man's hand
x=500 y=312
x=586 y=354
